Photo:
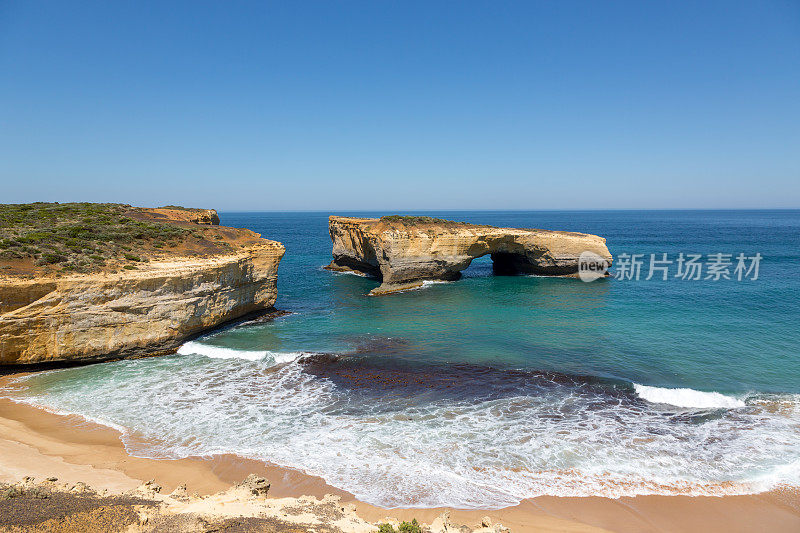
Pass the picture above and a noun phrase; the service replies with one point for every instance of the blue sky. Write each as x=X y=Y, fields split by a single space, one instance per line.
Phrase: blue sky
x=401 y=105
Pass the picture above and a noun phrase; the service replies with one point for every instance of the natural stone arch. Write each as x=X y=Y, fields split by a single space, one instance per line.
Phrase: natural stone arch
x=405 y=251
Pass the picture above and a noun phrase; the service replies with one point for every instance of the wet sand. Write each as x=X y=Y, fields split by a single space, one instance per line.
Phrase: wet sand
x=38 y=443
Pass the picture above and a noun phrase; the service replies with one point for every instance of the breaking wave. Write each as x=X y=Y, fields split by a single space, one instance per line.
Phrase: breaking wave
x=218 y=352
x=687 y=398
x=399 y=433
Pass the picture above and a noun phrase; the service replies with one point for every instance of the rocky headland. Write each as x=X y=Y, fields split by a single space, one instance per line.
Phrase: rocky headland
x=88 y=282
x=404 y=251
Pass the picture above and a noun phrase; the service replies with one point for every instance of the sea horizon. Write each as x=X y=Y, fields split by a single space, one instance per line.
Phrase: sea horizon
x=561 y=291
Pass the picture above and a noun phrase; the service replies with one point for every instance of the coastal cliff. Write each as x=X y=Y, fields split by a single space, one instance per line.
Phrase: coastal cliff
x=405 y=251
x=143 y=296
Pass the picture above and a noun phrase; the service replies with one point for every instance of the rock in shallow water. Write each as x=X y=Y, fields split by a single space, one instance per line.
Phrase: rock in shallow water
x=405 y=251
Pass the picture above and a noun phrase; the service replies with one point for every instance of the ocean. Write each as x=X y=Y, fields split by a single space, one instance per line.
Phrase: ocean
x=491 y=389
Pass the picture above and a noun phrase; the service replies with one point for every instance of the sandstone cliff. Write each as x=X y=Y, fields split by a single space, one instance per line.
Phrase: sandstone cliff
x=175 y=213
x=214 y=275
x=405 y=251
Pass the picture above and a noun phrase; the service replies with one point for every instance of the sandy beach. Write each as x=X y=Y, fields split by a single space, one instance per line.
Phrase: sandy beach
x=399 y=267
x=34 y=442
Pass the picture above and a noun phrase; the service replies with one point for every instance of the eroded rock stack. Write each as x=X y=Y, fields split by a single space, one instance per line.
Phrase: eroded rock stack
x=405 y=251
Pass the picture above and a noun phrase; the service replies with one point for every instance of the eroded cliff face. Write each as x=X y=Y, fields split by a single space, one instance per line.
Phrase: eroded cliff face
x=149 y=310
x=405 y=251
x=196 y=216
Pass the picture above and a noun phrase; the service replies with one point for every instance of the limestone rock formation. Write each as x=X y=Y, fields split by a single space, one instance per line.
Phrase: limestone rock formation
x=255 y=485
x=147 y=309
x=405 y=251
x=196 y=216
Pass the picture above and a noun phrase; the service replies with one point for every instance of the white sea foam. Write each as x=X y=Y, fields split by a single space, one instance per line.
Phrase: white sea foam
x=218 y=352
x=347 y=272
x=689 y=398
x=481 y=453
x=425 y=283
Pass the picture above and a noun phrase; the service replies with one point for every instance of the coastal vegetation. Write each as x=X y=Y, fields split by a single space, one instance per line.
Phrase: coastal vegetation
x=83 y=237
x=176 y=207
x=415 y=220
x=404 y=527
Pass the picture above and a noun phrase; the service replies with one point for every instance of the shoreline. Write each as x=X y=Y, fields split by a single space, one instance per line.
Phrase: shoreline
x=36 y=442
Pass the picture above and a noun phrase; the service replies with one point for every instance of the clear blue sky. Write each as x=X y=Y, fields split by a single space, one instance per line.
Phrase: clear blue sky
x=401 y=105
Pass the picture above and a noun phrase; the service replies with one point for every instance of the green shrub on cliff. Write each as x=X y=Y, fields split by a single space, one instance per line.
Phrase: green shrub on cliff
x=410 y=527
x=412 y=220
x=80 y=237
x=51 y=259
x=405 y=527
x=406 y=219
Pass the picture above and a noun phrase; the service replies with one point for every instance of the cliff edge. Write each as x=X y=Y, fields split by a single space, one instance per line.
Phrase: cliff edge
x=88 y=282
x=405 y=251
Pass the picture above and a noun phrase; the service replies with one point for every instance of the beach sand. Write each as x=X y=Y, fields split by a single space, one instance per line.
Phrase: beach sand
x=34 y=442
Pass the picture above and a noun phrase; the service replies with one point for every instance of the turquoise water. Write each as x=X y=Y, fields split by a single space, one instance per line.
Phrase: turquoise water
x=490 y=389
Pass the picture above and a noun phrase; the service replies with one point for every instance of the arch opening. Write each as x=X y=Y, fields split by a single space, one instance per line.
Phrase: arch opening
x=509 y=264
x=480 y=266
x=498 y=264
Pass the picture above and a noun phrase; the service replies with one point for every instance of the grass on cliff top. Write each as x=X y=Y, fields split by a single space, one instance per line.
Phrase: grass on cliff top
x=80 y=237
x=179 y=208
x=418 y=220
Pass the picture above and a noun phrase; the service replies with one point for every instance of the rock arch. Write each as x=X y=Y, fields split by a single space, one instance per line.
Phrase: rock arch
x=405 y=251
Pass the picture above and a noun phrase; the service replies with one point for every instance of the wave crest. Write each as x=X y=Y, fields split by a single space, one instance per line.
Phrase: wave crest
x=218 y=352
x=687 y=397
